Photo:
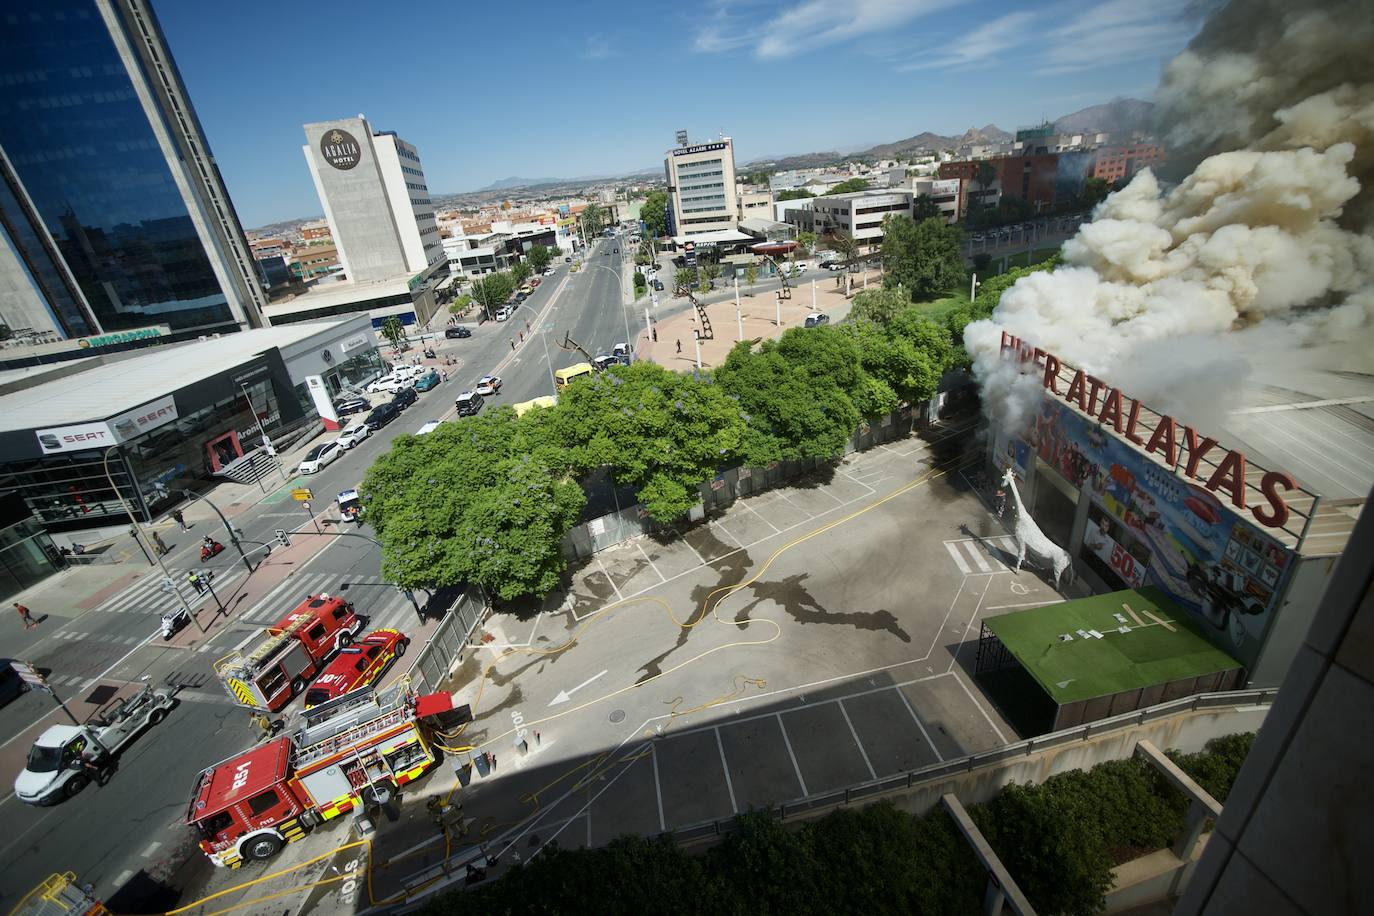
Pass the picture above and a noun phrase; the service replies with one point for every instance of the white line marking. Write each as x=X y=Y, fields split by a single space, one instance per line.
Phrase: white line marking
x=788 y=742
x=124 y=876
x=997 y=731
x=977 y=554
x=907 y=703
x=153 y=847
x=725 y=768
x=1003 y=607
x=857 y=743
x=658 y=790
x=601 y=566
x=745 y=504
x=652 y=564
x=957 y=555
x=963 y=636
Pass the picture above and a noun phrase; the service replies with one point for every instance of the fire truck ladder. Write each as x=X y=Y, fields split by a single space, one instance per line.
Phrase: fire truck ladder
x=250 y=661
x=352 y=735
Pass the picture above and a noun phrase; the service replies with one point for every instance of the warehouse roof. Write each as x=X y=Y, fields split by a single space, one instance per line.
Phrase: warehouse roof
x=115 y=387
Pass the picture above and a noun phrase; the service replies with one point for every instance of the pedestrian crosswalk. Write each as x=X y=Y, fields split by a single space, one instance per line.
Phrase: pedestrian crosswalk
x=147 y=596
x=380 y=603
x=975 y=556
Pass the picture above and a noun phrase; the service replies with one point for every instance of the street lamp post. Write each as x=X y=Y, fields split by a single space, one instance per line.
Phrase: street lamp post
x=233 y=532
x=140 y=534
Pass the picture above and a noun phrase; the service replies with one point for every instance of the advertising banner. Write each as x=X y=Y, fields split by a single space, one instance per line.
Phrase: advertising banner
x=1148 y=526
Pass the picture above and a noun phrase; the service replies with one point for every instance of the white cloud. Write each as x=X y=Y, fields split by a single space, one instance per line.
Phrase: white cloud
x=1116 y=32
x=982 y=44
x=806 y=26
x=596 y=47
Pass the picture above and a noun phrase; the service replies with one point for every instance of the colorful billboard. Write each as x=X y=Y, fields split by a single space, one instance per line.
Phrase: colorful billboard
x=1148 y=526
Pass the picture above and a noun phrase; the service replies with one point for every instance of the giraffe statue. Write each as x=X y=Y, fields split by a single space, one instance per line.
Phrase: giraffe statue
x=1029 y=537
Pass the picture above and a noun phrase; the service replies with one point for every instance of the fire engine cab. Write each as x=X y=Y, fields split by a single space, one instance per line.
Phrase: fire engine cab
x=350 y=752
x=290 y=653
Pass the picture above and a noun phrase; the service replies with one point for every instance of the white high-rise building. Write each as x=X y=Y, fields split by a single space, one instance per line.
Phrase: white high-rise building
x=375 y=199
x=701 y=188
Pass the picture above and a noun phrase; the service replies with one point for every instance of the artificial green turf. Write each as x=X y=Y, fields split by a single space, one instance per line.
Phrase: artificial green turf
x=1086 y=668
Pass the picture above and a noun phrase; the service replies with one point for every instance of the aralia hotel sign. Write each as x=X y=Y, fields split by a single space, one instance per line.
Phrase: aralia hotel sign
x=1109 y=407
x=340 y=149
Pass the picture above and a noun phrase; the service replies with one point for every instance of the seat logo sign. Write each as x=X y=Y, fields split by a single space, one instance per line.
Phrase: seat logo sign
x=340 y=149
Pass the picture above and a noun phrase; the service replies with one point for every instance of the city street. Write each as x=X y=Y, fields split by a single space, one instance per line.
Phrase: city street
x=113 y=642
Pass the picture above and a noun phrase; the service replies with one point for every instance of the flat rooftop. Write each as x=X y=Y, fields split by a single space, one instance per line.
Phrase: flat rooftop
x=1161 y=644
x=112 y=388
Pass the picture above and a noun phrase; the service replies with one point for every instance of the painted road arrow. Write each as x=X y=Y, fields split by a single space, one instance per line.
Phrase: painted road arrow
x=566 y=695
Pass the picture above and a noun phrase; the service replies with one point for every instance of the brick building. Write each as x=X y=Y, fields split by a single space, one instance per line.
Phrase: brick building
x=1117 y=163
x=1030 y=178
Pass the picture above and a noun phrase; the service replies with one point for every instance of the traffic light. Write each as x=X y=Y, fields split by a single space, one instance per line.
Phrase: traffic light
x=282 y=539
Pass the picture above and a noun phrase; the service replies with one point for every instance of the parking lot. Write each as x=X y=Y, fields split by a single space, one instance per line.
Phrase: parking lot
x=812 y=637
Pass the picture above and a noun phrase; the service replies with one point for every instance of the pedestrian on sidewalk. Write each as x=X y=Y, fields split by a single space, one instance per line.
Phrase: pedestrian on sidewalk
x=180 y=520
x=679 y=345
x=26 y=615
x=196 y=583
x=655 y=331
x=162 y=550
x=512 y=343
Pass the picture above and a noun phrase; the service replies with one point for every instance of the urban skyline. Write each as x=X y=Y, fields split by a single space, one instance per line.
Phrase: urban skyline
x=696 y=60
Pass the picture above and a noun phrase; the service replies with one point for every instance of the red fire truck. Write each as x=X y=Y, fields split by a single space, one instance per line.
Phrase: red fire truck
x=290 y=653
x=356 y=750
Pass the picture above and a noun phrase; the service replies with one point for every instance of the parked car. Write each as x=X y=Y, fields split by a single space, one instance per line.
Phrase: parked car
x=798 y=269
x=604 y=362
x=534 y=282
x=488 y=385
x=548 y=271
x=429 y=427
x=407 y=372
x=404 y=398
x=503 y=313
x=427 y=381
x=388 y=384
x=357 y=666
x=617 y=251
x=353 y=435
x=457 y=332
x=658 y=285
x=319 y=458
x=521 y=296
x=468 y=403
x=346 y=406
x=567 y=260
x=381 y=416
x=816 y=319
x=621 y=351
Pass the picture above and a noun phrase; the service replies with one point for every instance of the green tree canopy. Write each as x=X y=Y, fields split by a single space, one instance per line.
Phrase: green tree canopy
x=654 y=213
x=843 y=244
x=925 y=208
x=795 y=393
x=490 y=291
x=924 y=258
x=879 y=305
x=460 y=303
x=1095 y=190
x=659 y=431
x=593 y=219
x=540 y=256
x=483 y=499
x=685 y=278
x=849 y=186
x=521 y=272
x=394 y=331
x=795 y=194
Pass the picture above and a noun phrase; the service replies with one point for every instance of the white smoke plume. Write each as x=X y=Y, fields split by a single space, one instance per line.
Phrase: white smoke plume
x=1262 y=257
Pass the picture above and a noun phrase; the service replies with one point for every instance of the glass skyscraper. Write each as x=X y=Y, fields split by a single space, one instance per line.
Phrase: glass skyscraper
x=112 y=212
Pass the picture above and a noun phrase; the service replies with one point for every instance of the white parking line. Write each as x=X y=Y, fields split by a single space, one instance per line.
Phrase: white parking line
x=995 y=730
x=650 y=561
x=725 y=768
x=857 y=743
x=788 y=742
x=602 y=567
x=977 y=555
x=907 y=703
x=658 y=790
x=745 y=504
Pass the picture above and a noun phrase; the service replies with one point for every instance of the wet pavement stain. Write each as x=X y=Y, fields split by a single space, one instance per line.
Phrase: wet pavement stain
x=732 y=570
x=797 y=603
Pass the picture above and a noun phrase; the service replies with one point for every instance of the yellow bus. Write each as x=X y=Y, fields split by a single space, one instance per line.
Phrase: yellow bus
x=525 y=407
x=565 y=377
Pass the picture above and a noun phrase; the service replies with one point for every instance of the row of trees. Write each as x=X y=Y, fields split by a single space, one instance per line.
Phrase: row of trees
x=493 y=290
x=489 y=499
x=1059 y=840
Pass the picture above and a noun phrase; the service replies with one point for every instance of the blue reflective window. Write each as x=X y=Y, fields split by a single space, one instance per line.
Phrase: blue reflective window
x=82 y=148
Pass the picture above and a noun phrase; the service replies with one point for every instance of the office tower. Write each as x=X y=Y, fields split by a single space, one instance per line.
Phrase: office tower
x=113 y=215
x=375 y=199
x=701 y=187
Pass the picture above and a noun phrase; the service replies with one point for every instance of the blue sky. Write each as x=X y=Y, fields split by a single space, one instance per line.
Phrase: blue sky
x=489 y=90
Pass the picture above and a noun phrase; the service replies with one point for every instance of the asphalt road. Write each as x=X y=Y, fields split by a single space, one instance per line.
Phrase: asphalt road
x=134 y=823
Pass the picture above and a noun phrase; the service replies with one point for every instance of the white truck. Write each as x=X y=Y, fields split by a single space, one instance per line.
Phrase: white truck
x=65 y=758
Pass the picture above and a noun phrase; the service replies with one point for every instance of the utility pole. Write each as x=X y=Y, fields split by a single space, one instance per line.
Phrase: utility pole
x=739 y=318
x=696 y=339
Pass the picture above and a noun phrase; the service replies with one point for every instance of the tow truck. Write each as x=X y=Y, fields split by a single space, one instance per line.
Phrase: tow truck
x=351 y=752
x=290 y=654
x=65 y=758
